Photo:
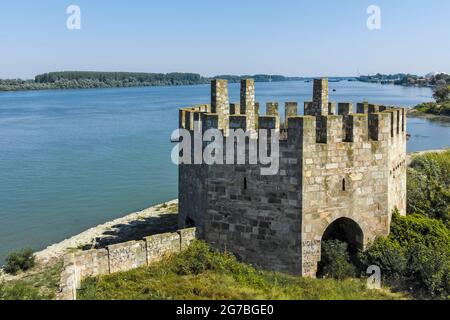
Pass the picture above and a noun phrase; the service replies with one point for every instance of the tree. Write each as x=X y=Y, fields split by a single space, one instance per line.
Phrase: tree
x=428 y=186
x=441 y=93
x=20 y=261
x=415 y=255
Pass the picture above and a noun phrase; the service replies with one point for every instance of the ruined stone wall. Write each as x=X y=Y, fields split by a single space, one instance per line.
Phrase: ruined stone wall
x=119 y=257
x=80 y=265
x=333 y=164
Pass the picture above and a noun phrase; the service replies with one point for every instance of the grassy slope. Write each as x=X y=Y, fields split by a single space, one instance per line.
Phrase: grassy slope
x=199 y=273
x=40 y=283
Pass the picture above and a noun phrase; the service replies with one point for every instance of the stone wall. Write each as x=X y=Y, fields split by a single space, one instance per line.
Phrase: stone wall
x=119 y=257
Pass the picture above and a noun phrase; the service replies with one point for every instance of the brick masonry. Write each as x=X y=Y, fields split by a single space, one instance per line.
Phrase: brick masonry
x=119 y=257
x=337 y=168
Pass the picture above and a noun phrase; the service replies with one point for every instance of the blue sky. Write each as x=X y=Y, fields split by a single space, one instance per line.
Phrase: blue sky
x=290 y=37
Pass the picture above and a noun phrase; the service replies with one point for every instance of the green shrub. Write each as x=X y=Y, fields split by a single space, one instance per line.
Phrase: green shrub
x=200 y=257
x=19 y=261
x=19 y=291
x=335 y=262
x=430 y=269
x=415 y=255
x=428 y=186
x=389 y=256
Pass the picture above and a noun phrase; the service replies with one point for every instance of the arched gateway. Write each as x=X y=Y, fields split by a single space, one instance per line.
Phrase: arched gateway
x=345 y=230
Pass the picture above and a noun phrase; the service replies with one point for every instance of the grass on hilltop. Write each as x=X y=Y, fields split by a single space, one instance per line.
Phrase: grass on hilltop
x=201 y=273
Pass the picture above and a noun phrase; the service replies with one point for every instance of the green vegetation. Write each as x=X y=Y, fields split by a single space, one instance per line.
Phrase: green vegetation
x=40 y=284
x=416 y=255
x=82 y=79
x=441 y=93
x=88 y=79
x=19 y=261
x=438 y=109
x=428 y=186
x=201 y=273
x=336 y=261
x=408 y=79
x=442 y=105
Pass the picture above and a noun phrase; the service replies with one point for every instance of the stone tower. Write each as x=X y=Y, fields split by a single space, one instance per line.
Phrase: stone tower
x=341 y=175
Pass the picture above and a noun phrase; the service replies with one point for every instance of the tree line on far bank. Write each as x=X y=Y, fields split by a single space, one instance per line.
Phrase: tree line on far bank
x=88 y=79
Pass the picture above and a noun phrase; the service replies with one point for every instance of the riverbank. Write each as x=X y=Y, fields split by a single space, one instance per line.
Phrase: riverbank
x=157 y=219
x=414 y=113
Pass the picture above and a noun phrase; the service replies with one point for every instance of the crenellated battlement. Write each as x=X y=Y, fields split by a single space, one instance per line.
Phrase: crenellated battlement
x=329 y=122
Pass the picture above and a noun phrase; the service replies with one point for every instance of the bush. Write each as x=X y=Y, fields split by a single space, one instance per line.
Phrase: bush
x=19 y=261
x=415 y=255
x=200 y=258
x=389 y=256
x=428 y=186
x=335 y=262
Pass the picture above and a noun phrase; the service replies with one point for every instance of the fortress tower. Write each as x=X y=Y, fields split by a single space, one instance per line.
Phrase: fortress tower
x=341 y=174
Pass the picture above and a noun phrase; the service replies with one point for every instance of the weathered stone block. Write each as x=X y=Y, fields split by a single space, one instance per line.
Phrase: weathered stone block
x=127 y=256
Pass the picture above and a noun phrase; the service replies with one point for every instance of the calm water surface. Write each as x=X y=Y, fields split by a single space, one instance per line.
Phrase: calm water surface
x=70 y=160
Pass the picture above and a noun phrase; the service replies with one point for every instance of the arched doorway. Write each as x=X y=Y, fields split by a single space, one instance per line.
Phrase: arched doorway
x=348 y=231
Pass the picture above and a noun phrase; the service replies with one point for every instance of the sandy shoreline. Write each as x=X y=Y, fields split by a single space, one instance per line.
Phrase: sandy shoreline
x=92 y=235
